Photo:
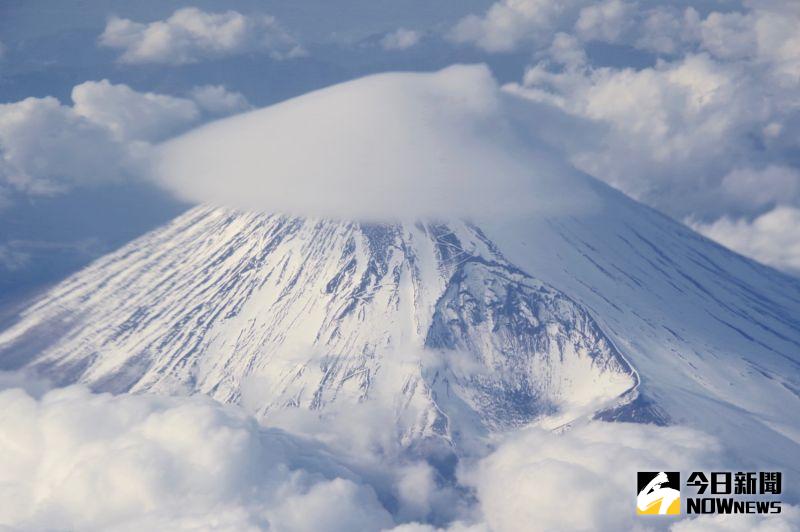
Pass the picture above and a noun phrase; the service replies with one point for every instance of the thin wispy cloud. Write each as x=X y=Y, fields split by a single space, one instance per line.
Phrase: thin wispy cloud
x=400 y=39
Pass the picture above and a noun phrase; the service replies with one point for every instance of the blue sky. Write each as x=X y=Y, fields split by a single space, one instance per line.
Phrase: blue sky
x=690 y=107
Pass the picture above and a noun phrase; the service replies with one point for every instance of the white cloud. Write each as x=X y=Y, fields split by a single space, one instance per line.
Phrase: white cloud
x=217 y=100
x=382 y=147
x=400 y=39
x=710 y=133
x=605 y=21
x=12 y=259
x=190 y=35
x=768 y=34
x=509 y=23
x=771 y=237
x=678 y=135
x=666 y=30
x=341 y=505
x=787 y=521
x=77 y=460
x=763 y=187
x=132 y=115
x=765 y=34
x=567 y=50
x=729 y=35
x=583 y=478
x=453 y=527
x=132 y=462
x=47 y=147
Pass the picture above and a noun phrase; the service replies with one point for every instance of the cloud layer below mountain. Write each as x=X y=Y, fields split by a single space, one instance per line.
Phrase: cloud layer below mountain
x=70 y=458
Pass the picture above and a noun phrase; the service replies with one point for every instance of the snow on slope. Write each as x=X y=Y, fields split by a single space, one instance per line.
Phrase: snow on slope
x=713 y=336
x=621 y=313
x=304 y=313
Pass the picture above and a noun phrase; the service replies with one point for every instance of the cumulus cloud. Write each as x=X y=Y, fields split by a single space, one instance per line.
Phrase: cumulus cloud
x=728 y=102
x=132 y=115
x=218 y=100
x=382 y=147
x=509 y=23
x=605 y=21
x=132 y=462
x=767 y=34
x=762 y=187
x=73 y=459
x=772 y=236
x=47 y=147
x=190 y=35
x=400 y=39
x=708 y=131
x=673 y=131
x=666 y=30
x=582 y=478
x=567 y=50
x=97 y=462
x=662 y=27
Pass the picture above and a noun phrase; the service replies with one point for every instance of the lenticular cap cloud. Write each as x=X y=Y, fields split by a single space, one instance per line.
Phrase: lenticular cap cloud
x=387 y=146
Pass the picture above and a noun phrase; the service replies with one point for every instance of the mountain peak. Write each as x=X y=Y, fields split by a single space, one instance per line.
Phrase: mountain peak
x=460 y=331
x=276 y=312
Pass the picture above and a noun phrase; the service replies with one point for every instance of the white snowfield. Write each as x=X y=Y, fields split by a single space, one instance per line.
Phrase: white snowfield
x=301 y=313
x=554 y=316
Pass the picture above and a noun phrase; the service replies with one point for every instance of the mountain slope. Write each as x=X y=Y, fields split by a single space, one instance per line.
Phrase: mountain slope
x=714 y=336
x=306 y=313
x=618 y=313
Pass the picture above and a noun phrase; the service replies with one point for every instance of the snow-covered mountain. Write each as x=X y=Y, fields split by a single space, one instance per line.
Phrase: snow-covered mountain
x=314 y=312
x=621 y=313
x=605 y=309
